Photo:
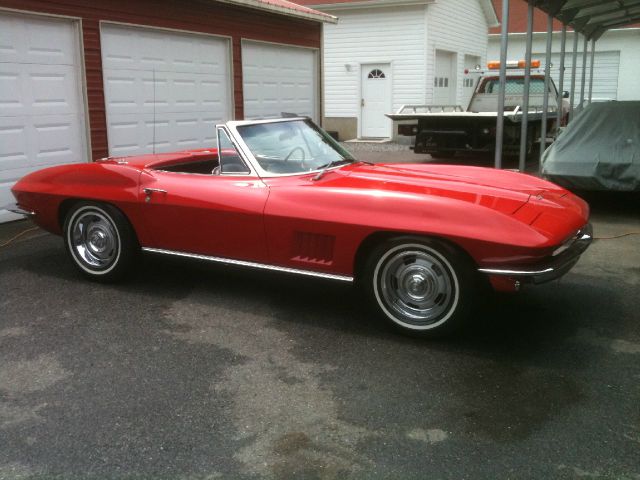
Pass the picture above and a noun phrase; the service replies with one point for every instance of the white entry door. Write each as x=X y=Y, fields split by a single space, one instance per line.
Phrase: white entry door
x=41 y=101
x=164 y=90
x=444 y=84
x=376 y=101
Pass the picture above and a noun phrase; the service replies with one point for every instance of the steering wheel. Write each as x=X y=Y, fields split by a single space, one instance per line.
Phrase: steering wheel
x=294 y=150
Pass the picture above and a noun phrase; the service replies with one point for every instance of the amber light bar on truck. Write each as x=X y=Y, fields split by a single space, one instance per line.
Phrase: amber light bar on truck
x=495 y=64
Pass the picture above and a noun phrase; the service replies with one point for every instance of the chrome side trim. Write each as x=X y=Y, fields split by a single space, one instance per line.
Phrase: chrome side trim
x=15 y=208
x=242 y=263
x=524 y=273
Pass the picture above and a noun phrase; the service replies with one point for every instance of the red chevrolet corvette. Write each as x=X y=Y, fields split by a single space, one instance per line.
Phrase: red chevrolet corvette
x=419 y=239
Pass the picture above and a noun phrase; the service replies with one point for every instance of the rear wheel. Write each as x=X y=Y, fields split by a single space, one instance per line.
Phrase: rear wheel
x=100 y=241
x=424 y=287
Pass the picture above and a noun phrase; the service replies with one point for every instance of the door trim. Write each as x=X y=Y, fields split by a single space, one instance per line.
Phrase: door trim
x=243 y=263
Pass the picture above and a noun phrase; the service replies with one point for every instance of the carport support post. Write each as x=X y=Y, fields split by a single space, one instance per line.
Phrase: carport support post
x=563 y=42
x=525 y=93
x=584 y=72
x=574 y=65
x=504 y=40
x=593 y=56
x=547 y=83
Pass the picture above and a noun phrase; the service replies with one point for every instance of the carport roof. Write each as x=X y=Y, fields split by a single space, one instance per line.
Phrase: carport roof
x=285 y=7
x=592 y=17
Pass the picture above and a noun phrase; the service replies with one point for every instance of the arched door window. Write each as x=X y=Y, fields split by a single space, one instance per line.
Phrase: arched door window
x=376 y=73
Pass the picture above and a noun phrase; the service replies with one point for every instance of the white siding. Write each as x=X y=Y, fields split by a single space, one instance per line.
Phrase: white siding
x=626 y=43
x=380 y=35
x=458 y=26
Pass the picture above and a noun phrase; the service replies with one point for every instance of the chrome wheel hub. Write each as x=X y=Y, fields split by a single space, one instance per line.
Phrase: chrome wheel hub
x=94 y=240
x=416 y=285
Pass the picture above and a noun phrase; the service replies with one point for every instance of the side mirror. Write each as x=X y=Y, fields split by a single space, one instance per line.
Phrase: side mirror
x=565 y=94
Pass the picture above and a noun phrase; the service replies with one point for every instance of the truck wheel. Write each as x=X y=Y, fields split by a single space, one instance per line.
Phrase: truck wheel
x=421 y=286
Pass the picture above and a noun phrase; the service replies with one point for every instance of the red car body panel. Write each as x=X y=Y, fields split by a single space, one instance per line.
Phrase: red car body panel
x=498 y=217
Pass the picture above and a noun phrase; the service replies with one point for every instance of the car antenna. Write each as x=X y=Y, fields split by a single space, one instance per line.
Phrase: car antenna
x=154 y=111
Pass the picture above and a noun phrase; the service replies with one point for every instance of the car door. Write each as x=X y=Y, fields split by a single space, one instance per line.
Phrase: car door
x=216 y=215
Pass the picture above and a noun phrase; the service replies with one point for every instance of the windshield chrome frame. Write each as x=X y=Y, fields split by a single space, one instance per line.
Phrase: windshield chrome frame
x=252 y=171
x=245 y=151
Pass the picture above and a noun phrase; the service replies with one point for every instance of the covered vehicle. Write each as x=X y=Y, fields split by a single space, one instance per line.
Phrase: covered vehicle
x=599 y=150
x=421 y=241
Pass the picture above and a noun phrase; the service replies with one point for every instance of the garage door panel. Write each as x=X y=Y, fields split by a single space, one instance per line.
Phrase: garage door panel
x=278 y=79
x=31 y=39
x=38 y=142
x=38 y=89
x=175 y=131
x=14 y=145
x=133 y=92
x=181 y=80
x=57 y=140
x=162 y=51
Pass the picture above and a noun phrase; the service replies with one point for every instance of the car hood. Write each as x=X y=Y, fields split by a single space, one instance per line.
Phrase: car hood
x=500 y=190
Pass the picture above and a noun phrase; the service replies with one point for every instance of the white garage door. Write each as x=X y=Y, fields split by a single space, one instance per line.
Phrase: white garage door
x=279 y=79
x=164 y=90
x=41 y=101
x=605 y=73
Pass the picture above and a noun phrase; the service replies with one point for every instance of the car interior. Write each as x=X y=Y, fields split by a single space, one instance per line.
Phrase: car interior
x=209 y=165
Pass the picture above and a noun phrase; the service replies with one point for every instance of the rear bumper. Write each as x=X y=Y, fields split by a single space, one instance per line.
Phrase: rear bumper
x=553 y=267
x=15 y=208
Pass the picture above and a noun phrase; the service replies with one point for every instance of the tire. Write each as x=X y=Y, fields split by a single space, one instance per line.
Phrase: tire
x=420 y=286
x=100 y=241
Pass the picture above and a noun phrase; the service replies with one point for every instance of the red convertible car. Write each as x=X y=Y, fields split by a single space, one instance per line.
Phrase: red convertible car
x=420 y=240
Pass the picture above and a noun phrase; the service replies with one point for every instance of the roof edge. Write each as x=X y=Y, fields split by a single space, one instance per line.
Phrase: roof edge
x=307 y=14
x=569 y=32
x=369 y=4
x=490 y=13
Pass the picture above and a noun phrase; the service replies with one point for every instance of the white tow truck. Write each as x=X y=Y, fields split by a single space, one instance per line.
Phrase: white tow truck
x=443 y=130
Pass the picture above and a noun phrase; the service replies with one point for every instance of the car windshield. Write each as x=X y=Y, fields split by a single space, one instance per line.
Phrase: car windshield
x=294 y=146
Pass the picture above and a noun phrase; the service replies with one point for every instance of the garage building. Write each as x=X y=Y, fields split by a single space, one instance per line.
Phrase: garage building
x=81 y=80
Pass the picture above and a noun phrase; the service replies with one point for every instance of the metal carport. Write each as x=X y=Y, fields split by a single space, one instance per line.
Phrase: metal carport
x=588 y=18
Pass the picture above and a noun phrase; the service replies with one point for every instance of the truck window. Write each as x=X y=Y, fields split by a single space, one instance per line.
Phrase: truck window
x=514 y=86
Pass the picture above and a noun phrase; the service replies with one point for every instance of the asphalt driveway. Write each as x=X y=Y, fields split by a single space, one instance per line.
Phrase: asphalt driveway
x=194 y=371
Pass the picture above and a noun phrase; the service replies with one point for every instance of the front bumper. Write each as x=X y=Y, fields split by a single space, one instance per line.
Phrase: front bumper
x=15 y=208
x=553 y=267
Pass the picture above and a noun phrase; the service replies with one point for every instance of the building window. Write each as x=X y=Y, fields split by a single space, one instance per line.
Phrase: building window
x=376 y=73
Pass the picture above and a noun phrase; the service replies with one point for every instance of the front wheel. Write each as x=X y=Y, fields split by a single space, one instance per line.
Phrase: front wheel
x=422 y=286
x=100 y=241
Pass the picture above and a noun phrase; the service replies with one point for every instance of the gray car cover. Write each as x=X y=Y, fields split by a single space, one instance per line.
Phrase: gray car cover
x=599 y=150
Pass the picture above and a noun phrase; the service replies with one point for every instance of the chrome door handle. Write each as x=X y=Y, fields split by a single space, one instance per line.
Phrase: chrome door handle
x=149 y=191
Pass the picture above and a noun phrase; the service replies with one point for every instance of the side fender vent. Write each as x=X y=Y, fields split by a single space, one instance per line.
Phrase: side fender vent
x=313 y=248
